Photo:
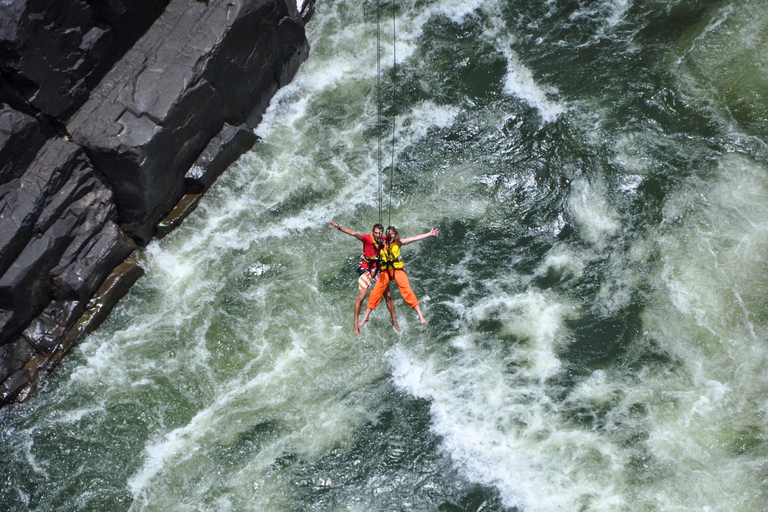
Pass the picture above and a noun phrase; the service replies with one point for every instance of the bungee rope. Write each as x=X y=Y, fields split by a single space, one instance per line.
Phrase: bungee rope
x=394 y=108
x=378 y=104
x=379 y=129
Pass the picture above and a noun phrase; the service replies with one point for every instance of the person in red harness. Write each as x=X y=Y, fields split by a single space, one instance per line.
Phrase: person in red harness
x=391 y=265
x=369 y=269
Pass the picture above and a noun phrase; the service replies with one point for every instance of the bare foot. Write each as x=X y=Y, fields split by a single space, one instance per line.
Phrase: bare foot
x=357 y=331
x=366 y=317
x=421 y=316
x=397 y=327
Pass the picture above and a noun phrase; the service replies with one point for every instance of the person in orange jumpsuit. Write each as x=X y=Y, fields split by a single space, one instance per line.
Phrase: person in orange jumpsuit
x=391 y=264
x=369 y=269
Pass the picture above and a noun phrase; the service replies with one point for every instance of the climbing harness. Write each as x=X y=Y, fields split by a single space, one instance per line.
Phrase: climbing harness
x=373 y=264
x=390 y=260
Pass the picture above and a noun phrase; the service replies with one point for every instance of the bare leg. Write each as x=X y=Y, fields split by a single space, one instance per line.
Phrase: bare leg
x=421 y=317
x=358 y=305
x=366 y=316
x=391 y=307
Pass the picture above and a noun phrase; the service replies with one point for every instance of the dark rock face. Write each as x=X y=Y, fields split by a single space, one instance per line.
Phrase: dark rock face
x=20 y=139
x=59 y=227
x=199 y=67
x=221 y=151
x=52 y=53
x=168 y=118
x=46 y=331
x=13 y=357
x=128 y=19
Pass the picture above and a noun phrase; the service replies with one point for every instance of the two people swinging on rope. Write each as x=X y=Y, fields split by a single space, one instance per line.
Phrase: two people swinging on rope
x=384 y=264
x=368 y=269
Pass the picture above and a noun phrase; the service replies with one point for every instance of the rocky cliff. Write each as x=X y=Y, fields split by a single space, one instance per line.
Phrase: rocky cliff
x=114 y=117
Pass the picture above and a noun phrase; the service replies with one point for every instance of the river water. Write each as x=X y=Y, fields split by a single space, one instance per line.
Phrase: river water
x=596 y=297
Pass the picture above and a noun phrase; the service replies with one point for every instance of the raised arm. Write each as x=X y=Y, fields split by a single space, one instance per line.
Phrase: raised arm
x=350 y=232
x=432 y=232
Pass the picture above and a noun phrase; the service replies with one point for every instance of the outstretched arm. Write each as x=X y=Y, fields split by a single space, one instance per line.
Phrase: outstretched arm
x=350 y=232
x=432 y=232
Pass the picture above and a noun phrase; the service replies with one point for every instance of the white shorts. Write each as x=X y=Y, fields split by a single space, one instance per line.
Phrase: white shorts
x=366 y=279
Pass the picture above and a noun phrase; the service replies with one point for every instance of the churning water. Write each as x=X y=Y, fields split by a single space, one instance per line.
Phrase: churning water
x=598 y=329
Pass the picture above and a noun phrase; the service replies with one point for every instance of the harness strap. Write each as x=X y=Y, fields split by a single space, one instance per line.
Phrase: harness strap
x=375 y=262
x=388 y=265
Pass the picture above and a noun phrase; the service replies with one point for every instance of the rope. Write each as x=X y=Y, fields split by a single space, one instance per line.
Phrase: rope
x=394 y=108
x=379 y=123
x=379 y=106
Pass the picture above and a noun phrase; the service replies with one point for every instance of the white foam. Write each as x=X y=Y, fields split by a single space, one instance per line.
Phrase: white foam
x=489 y=415
x=411 y=27
x=183 y=442
x=100 y=356
x=712 y=27
x=422 y=117
x=536 y=318
x=597 y=220
x=76 y=415
x=700 y=316
x=520 y=82
x=37 y=467
x=458 y=10
x=631 y=154
x=595 y=389
x=617 y=10
x=501 y=433
x=611 y=12
x=563 y=260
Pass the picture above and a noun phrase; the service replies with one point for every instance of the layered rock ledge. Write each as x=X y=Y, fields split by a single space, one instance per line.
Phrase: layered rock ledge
x=114 y=118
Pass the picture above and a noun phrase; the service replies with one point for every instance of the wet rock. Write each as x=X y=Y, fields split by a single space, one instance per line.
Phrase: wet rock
x=46 y=332
x=198 y=67
x=128 y=19
x=20 y=140
x=180 y=212
x=307 y=10
x=14 y=356
x=53 y=53
x=56 y=330
x=25 y=288
x=23 y=200
x=13 y=385
x=114 y=287
x=220 y=153
x=56 y=226
x=79 y=275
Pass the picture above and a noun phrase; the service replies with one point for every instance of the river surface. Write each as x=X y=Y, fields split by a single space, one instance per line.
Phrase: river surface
x=598 y=323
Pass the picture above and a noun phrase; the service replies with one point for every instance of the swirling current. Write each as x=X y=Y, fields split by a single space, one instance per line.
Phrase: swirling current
x=597 y=323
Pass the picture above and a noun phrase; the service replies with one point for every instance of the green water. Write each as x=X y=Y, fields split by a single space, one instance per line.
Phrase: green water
x=596 y=297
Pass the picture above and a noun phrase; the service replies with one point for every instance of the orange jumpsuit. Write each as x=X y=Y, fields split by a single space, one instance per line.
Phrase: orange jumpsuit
x=392 y=267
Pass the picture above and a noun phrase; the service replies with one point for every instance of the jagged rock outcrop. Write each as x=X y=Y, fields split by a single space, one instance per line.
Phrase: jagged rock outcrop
x=87 y=170
x=59 y=235
x=221 y=151
x=52 y=53
x=196 y=69
x=20 y=140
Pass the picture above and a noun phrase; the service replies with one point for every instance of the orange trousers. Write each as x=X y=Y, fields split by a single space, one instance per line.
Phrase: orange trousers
x=402 y=284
